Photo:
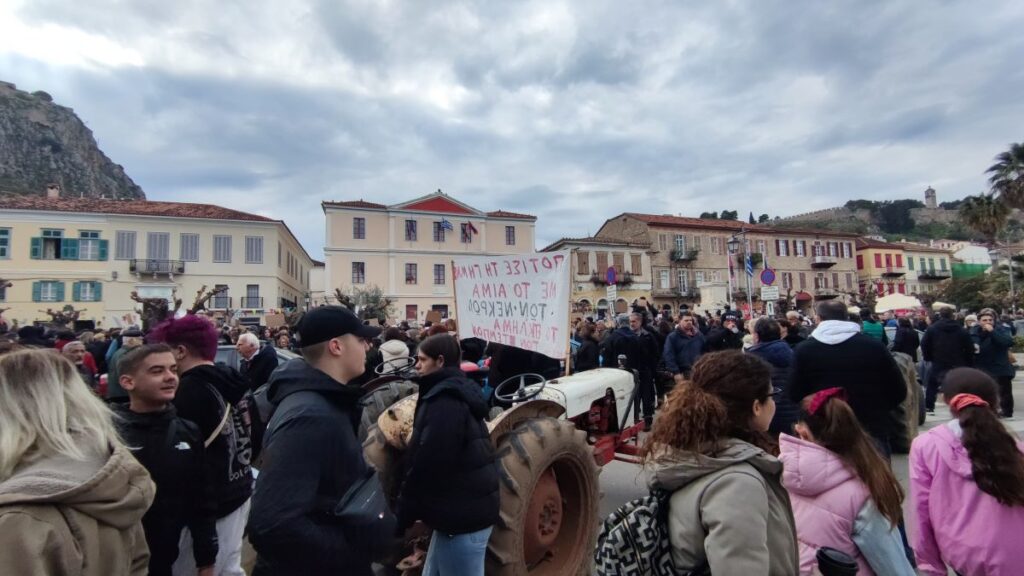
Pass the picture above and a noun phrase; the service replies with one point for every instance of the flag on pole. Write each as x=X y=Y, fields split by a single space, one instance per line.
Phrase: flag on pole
x=446 y=225
x=472 y=229
x=750 y=266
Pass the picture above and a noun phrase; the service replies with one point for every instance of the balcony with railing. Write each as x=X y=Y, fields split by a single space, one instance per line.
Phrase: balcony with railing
x=893 y=271
x=252 y=302
x=825 y=293
x=933 y=274
x=683 y=255
x=220 y=303
x=821 y=261
x=151 y=266
x=676 y=292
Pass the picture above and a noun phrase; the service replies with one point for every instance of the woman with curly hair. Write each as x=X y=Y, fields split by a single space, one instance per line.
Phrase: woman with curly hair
x=710 y=449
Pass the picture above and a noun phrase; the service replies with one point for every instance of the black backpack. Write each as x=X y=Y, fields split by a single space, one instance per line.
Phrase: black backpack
x=634 y=540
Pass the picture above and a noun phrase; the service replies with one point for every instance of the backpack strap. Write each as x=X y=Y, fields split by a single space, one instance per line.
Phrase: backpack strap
x=223 y=421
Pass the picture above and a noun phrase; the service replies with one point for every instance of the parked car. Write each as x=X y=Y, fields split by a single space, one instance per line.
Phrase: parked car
x=228 y=355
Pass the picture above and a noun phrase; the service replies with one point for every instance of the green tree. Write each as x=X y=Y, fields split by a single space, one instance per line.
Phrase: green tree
x=1007 y=176
x=730 y=215
x=709 y=215
x=985 y=213
x=763 y=218
x=751 y=219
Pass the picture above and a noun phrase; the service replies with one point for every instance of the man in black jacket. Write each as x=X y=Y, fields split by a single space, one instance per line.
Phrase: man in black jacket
x=312 y=454
x=946 y=345
x=728 y=336
x=838 y=355
x=649 y=351
x=257 y=362
x=172 y=451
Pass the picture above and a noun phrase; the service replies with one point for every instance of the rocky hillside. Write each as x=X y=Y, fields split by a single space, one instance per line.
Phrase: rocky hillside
x=43 y=143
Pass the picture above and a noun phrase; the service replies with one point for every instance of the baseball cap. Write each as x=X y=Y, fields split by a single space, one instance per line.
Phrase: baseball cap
x=730 y=316
x=326 y=322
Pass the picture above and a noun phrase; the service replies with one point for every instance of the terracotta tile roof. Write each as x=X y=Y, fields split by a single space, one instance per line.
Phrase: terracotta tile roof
x=354 y=204
x=597 y=241
x=911 y=247
x=127 y=207
x=731 y=225
x=863 y=243
x=506 y=214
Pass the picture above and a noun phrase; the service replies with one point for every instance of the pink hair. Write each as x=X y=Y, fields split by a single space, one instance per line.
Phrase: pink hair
x=194 y=333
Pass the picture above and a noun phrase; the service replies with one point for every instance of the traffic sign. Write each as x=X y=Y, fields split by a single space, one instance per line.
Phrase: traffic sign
x=610 y=276
x=767 y=276
x=769 y=293
x=612 y=295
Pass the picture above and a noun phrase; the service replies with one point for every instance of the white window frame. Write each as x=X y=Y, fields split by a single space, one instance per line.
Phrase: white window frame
x=87 y=292
x=188 y=247
x=48 y=291
x=222 y=248
x=254 y=249
x=664 y=279
x=88 y=245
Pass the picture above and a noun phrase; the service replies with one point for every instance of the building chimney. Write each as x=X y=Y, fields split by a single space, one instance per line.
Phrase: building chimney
x=53 y=191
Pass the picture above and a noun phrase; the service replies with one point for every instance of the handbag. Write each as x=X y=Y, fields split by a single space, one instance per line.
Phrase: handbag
x=364 y=515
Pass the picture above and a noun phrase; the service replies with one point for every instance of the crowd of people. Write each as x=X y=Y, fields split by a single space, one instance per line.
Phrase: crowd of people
x=132 y=452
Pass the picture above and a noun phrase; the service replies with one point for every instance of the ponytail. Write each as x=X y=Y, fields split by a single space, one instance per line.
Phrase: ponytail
x=997 y=464
x=835 y=427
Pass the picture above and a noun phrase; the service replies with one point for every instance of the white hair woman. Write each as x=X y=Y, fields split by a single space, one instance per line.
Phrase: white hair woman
x=72 y=496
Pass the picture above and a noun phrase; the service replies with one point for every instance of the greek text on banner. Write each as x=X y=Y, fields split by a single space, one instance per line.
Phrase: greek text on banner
x=521 y=300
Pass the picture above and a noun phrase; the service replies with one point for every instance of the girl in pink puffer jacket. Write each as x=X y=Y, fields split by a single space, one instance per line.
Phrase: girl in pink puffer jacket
x=844 y=495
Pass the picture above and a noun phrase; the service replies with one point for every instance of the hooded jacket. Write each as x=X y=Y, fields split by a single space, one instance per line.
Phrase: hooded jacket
x=837 y=354
x=171 y=450
x=956 y=523
x=780 y=356
x=73 y=517
x=946 y=344
x=729 y=509
x=832 y=507
x=682 y=350
x=311 y=457
x=451 y=473
x=204 y=392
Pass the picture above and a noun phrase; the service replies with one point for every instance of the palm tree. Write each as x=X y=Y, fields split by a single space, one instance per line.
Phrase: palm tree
x=985 y=213
x=1007 y=176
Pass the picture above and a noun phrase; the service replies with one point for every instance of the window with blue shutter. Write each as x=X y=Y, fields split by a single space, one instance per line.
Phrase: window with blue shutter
x=76 y=291
x=104 y=249
x=37 y=291
x=69 y=249
x=97 y=291
x=60 y=291
x=36 y=250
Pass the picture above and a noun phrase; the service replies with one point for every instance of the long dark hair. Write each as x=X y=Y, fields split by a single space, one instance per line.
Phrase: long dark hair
x=442 y=346
x=713 y=406
x=996 y=463
x=835 y=427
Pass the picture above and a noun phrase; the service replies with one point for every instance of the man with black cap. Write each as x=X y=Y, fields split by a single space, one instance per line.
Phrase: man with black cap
x=728 y=336
x=312 y=454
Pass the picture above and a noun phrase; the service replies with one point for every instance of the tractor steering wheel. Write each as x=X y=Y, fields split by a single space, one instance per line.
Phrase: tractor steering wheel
x=520 y=382
x=396 y=366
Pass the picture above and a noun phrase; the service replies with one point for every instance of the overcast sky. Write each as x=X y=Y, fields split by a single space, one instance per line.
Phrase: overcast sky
x=572 y=111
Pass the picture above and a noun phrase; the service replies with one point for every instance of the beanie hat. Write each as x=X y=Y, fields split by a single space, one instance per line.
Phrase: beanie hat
x=393 y=349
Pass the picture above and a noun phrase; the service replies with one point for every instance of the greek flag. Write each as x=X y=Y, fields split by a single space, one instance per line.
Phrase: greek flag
x=750 y=267
x=446 y=225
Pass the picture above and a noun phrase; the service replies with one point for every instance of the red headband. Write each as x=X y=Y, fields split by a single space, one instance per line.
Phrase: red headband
x=961 y=401
x=820 y=398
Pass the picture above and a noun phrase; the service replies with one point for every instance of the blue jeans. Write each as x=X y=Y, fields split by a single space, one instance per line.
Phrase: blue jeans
x=458 y=555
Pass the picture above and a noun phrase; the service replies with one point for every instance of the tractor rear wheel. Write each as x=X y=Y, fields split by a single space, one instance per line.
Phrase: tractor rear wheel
x=378 y=401
x=549 y=497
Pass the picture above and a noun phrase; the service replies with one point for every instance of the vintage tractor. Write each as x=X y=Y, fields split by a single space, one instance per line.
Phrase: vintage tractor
x=550 y=441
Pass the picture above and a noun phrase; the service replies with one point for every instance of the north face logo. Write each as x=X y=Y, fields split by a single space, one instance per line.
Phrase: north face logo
x=182 y=446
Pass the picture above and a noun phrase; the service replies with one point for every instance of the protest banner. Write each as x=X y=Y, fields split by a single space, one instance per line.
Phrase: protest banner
x=520 y=300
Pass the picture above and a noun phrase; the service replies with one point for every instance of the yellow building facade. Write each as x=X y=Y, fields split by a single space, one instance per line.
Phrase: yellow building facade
x=881 y=267
x=590 y=260
x=406 y=249
x=93 y=253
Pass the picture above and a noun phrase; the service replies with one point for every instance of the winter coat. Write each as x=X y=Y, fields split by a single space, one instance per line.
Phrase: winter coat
x=906 y=341
x=588 y=356
x=837 y=354
x=682 y=351
x=259 y=368
x=993 y=351
x=946 y=344
x=622 y=342
x=650 y=353
x=875 y=330
x=729 y=510
x=793 y=339
x=74 y=517
x=721 y=338
x=956 y=523
x=780 y=356
x=832 y=506
x=204 y=393
x=451 y=474
x=311 y=457
x=172 y=451
x=98 y=350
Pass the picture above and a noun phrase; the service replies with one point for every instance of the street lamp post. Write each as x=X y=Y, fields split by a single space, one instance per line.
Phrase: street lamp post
x=734 y=245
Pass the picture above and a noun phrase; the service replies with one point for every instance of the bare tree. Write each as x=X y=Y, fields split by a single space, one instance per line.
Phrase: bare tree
x=203 y=296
